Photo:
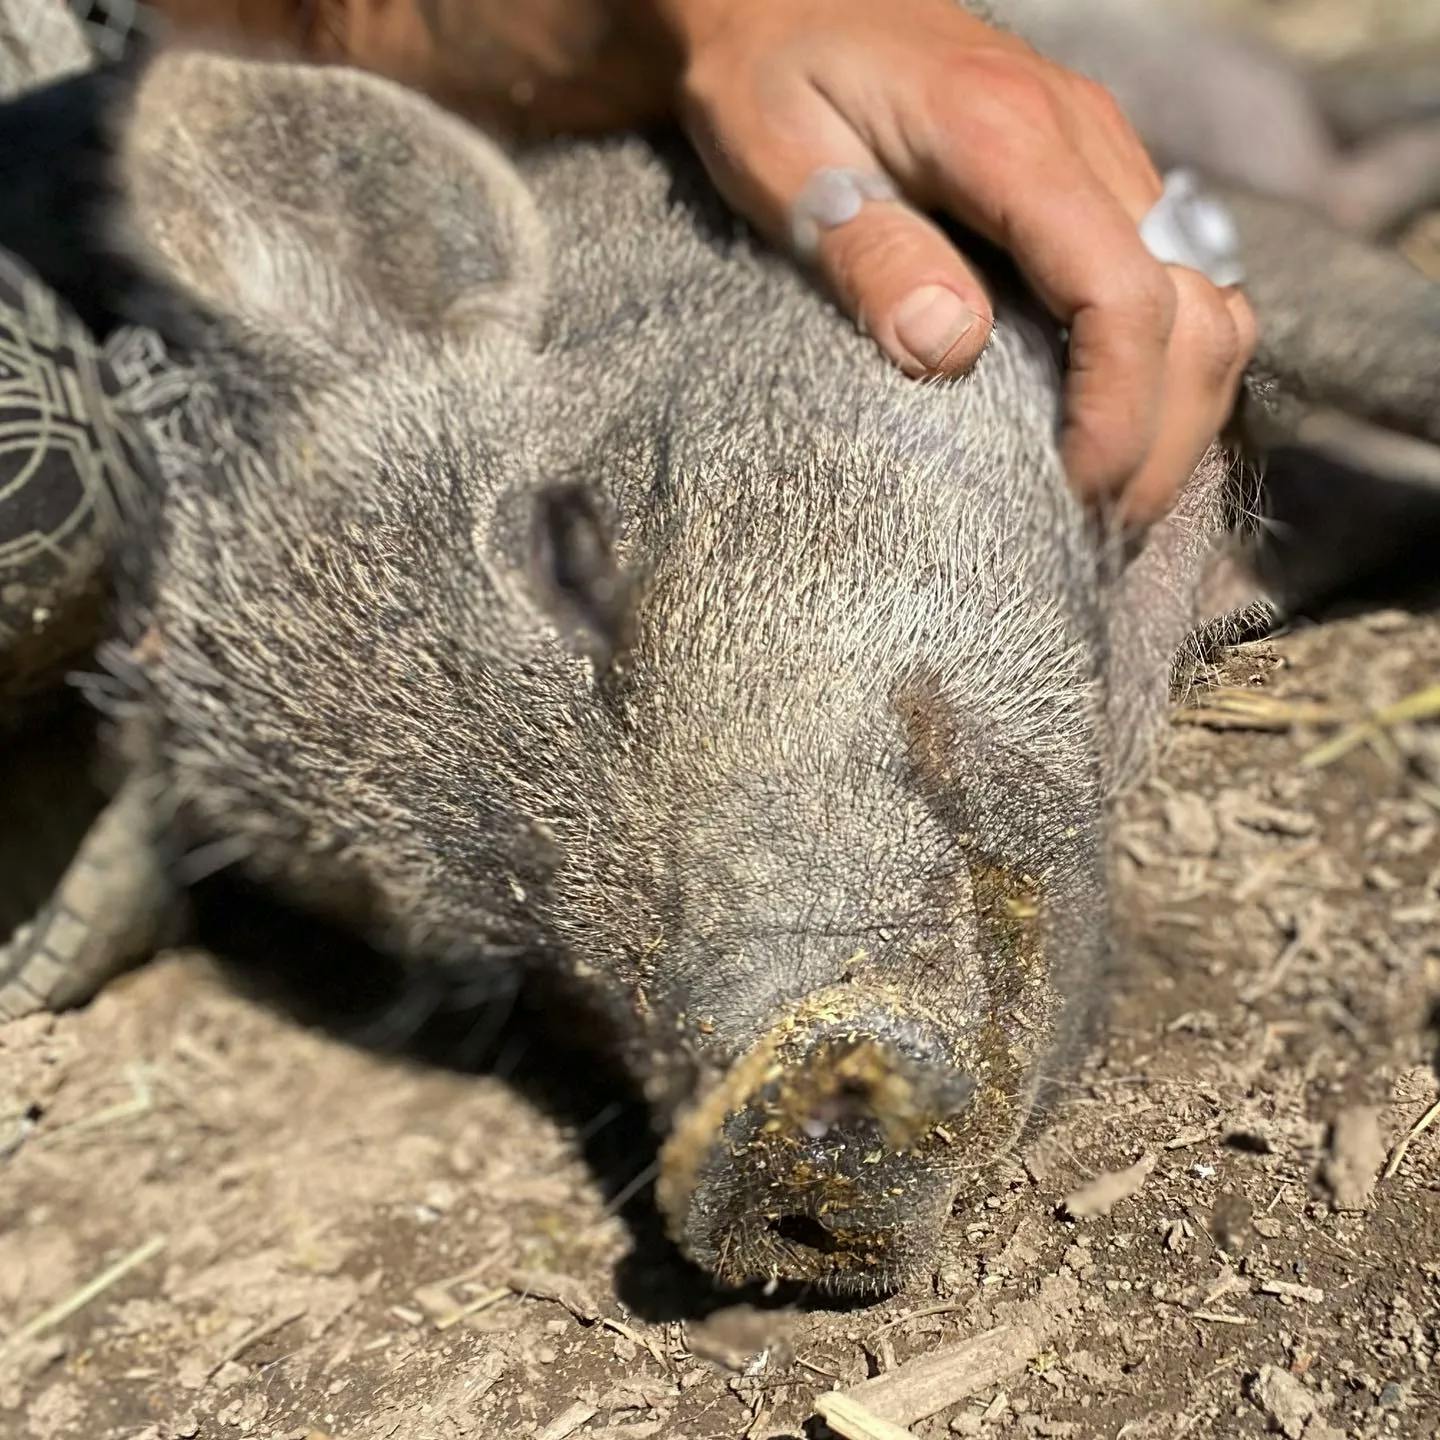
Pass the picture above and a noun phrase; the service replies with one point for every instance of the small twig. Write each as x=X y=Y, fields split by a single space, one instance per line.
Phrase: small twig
x=1422 y=705
x=1242 y=709
x=1430 y=794
x=64 y=1309
x=141 y=1102
x=1310 y=929
x=474 y=1307
x=252 y=1337
x=918 y=1315
x=818 y=1370
x=626 y=1193
x=1403 y=1144
x=636 y=1338
x=567 y=1423
x=558 y=1289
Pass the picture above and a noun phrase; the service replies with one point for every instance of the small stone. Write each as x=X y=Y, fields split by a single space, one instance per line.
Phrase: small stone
x=1231 y=1224
x=1192 y=1135
x=1106 y=1191
x=1355 y=1154
x=230 y=1373
x=1285 y=1401
x=1192 y=825
x=734 y=1336
x=1256 y=814
x=1286 y=1290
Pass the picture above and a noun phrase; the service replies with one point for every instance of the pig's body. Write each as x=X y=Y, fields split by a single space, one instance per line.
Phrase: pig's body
x=825 y=838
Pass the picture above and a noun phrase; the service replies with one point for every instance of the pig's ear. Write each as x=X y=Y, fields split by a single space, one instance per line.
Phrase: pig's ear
x=328 y=207
x=1347 y=518
x=1182 y=582
x=575 y=569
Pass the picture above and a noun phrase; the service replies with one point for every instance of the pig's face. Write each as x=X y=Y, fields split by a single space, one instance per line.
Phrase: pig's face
x=830 y=1148
x=855 y=915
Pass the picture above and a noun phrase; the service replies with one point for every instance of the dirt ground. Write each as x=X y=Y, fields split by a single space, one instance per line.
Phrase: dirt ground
x=219 y=1221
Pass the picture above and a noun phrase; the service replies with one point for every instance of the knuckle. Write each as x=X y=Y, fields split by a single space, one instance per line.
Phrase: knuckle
x=719 y=86
x=866 y=261
x=1015 y=88
x=1101 y=103
x=1151 y=303
x=870 y=244
x=1206 y=328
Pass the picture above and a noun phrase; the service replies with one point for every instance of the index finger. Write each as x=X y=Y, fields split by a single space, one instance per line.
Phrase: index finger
x=1082 y=254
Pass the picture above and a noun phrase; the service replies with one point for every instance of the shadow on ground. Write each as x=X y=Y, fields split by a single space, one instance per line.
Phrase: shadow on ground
x=510 y=1023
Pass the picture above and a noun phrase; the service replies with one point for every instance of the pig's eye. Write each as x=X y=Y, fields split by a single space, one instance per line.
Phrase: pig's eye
x=575 y=567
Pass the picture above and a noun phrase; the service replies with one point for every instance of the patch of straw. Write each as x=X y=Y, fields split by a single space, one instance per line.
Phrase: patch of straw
x=1240 y=708
x=1422 y=705
x=1415 y=1131
x=62 y=1310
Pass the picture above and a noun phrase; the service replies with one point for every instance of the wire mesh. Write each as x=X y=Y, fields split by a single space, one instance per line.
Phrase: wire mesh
x=113 y=27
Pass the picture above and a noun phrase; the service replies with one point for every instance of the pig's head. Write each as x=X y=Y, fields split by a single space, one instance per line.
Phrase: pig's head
x=840 y=857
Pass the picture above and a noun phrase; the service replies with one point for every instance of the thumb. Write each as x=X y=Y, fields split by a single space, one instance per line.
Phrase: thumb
x=809 y=183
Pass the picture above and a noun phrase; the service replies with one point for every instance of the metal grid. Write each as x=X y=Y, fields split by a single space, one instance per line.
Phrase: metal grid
x=113 y=26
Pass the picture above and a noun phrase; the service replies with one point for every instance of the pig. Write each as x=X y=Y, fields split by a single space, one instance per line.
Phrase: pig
x=556 y=580
x=569 y=586
x=1357 y=141
x=528 y=570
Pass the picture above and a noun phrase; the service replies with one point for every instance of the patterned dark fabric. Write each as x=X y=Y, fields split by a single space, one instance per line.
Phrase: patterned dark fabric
x=62 y=462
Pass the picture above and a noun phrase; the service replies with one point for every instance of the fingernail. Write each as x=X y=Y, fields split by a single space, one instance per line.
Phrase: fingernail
x=930 y=322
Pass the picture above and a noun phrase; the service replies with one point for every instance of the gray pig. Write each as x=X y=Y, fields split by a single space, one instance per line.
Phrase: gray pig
x=535 y=572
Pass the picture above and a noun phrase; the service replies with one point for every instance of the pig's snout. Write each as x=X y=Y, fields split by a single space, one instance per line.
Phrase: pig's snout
x=822 y=1155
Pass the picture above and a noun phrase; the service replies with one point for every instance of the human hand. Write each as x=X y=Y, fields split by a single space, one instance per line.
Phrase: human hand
x=962 y=118
x=970 y=121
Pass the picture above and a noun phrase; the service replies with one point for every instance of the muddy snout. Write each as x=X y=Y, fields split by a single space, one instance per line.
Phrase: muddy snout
x=823 y=1154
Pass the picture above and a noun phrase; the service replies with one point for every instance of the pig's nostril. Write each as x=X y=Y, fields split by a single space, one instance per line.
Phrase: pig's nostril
x=821 y=1154
x=806 y=1232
